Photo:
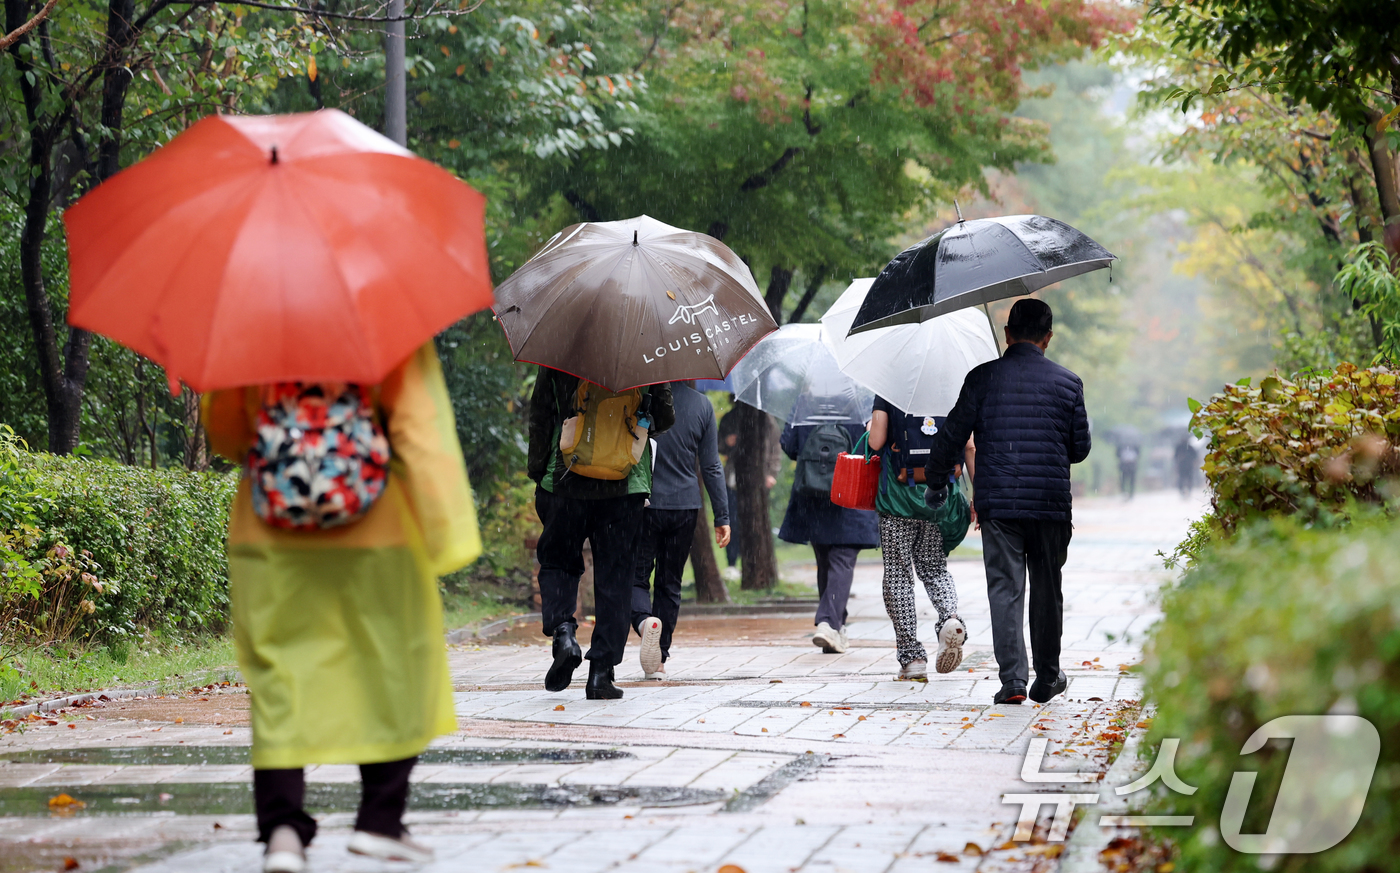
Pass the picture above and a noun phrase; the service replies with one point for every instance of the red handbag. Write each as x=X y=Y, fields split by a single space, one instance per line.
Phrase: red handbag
x=857 y=478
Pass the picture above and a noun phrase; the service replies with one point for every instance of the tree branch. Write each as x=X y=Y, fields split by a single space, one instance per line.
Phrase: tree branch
x=764 y=178
x=433 y=11
x=583 y=207
x=10 y=38
x=656 y=37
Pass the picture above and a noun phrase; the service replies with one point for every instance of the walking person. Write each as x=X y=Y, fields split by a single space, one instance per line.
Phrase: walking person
x=1028 y=415
x=1128 y=454
x=837 y=534
x=907 y=538
x=590 y=458
x=1187 y=465
x=337 y=620
x=668 y=523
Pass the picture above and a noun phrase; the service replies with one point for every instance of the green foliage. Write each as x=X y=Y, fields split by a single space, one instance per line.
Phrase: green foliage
x=1278 y=621
x=149 y=542
x=1317 y=446
x=1369 y=278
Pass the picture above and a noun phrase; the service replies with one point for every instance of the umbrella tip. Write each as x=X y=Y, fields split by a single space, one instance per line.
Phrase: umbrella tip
x=634 y=237
x=274 y=153
x=955 y=200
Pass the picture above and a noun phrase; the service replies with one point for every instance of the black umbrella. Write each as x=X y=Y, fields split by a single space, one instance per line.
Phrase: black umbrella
x=976 y=262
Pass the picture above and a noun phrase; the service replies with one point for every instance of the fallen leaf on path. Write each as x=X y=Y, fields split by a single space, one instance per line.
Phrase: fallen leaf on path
x=944 y=856
x=765 y=730
x=70 y=863
x=805 y=703
x=837 y=736
x=559 y=708
x=226 y=733
x=862 y=718
x=179 y=719
x=1009 y=845
x=972 y=849
x=966 y=726
x=530 y=863
x=996 y=715
x=65 y=803
x=731 y=868
x=1099 y=699
x=72 y=726
x=775 y=681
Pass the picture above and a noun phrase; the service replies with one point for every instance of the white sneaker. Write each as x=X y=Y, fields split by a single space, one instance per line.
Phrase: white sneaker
x=651 y=645
x=829 y=639
x=950 y=645
x=659 y=673
x=916 y=671
x=389 y=849
x=845 y=640
x=730 y=574
x=285 y=854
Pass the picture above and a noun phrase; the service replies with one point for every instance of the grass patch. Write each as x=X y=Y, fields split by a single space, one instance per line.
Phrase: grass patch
x=481 y=602
x=44 y=672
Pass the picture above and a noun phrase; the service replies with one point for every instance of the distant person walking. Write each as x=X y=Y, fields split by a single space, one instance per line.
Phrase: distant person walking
x=668 y=524
x=1028 y=416
x=588 y=491
x=1188 y=464
x=336 y=615
x=1127 y=468
x=903 y=442
x=837 y=534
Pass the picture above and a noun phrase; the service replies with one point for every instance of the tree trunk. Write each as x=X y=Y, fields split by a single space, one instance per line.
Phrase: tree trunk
x=709 y=586
x=760 y=564
x=779 y=280
x=196 y=447
x=1387 y=186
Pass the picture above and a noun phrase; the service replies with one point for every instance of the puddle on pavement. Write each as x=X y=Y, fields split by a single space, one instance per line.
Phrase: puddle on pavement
x=224 y=755
x=234 y=798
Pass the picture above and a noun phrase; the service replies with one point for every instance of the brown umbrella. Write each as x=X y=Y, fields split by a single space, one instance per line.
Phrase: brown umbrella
x=635 y=302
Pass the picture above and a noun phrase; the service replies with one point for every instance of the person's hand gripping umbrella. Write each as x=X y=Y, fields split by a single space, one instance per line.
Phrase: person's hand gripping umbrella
x=261 y=249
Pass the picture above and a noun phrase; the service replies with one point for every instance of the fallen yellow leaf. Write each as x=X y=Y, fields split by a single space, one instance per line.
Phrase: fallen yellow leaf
x=559 y=708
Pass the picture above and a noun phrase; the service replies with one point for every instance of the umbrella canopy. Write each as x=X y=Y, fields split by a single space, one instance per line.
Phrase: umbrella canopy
x=277 y=248
x=976 y=262
x=917 y=367
x=792 y=374
x=635 y=302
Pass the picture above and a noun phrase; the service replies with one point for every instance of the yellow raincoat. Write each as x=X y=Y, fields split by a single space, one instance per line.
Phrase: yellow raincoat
x=339 y=632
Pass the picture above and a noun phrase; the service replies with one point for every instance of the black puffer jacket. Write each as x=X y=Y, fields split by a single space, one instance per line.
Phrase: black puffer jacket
x=1027 y=413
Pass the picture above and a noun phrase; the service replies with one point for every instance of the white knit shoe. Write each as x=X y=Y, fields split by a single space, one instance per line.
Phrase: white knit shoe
x=389 y=849
x=285 y=854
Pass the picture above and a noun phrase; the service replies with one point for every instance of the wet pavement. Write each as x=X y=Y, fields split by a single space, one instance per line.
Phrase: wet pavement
x=759 y=752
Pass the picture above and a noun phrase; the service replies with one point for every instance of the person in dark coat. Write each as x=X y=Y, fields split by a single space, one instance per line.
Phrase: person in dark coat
x=574 y=508
x=837 y=535
x=668 y=524
x=1030 y=423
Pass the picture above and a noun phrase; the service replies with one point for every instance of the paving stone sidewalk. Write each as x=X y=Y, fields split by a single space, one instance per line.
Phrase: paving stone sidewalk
x=766 y=757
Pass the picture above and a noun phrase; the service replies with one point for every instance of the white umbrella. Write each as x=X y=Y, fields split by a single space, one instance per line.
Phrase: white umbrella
x=917 y=367
x=791 y=373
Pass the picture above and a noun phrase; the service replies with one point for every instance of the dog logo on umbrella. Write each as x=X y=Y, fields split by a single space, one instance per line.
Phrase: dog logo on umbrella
x=688 y=314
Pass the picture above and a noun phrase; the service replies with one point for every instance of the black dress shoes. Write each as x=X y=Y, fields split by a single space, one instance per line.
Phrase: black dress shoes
x=600 y=683
x=1041 y=691
x=567 y=657
x=1010 y=694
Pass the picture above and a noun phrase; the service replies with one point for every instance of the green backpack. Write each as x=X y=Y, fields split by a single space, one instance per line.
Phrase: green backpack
x=816 y=462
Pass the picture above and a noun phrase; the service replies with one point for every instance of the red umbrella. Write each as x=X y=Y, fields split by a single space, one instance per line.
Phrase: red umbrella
x=277 y=248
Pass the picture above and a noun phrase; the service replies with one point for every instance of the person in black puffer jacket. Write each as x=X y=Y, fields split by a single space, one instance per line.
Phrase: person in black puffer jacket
x=1030 y=423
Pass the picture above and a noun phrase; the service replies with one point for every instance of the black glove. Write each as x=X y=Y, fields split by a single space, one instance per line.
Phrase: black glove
x=935 y=498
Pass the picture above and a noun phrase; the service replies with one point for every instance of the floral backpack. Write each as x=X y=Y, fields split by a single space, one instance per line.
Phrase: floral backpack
x=320 y=459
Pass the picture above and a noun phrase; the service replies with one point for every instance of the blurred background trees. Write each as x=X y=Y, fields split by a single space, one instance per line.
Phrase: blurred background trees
x=814 y=138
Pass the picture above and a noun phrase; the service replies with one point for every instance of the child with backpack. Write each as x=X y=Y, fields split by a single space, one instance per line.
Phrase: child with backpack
x=354 y=500
x=910 y=533
x=590 y=456
x=837 y=534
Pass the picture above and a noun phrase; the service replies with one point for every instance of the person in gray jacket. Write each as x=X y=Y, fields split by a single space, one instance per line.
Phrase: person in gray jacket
x=668 y=525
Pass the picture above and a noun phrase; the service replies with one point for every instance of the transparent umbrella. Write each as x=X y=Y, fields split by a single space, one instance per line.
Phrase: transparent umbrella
x=791 y=373
x=917 y=367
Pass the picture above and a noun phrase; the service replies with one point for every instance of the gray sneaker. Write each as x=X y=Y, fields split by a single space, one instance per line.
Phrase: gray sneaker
x=829 y=638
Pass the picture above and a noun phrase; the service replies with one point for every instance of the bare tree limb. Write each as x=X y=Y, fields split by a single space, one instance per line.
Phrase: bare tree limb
x=433 y=11
x=10 y=38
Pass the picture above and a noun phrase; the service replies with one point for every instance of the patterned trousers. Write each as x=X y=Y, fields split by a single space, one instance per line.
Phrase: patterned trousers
x=906 y=541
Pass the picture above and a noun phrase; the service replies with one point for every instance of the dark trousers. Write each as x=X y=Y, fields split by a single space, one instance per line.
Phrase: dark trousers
x=279 y=797
x=1127 y=478
x=836 y=568
x=734 y=550
x=611 y=525
x=665 y=545
x=1012 y=549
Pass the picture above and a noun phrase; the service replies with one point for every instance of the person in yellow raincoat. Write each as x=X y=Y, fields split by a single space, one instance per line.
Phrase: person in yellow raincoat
x=339 y=631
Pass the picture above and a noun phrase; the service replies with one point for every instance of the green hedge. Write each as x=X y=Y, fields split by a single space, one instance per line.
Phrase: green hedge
x=1279 y=620
x=156 y=537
